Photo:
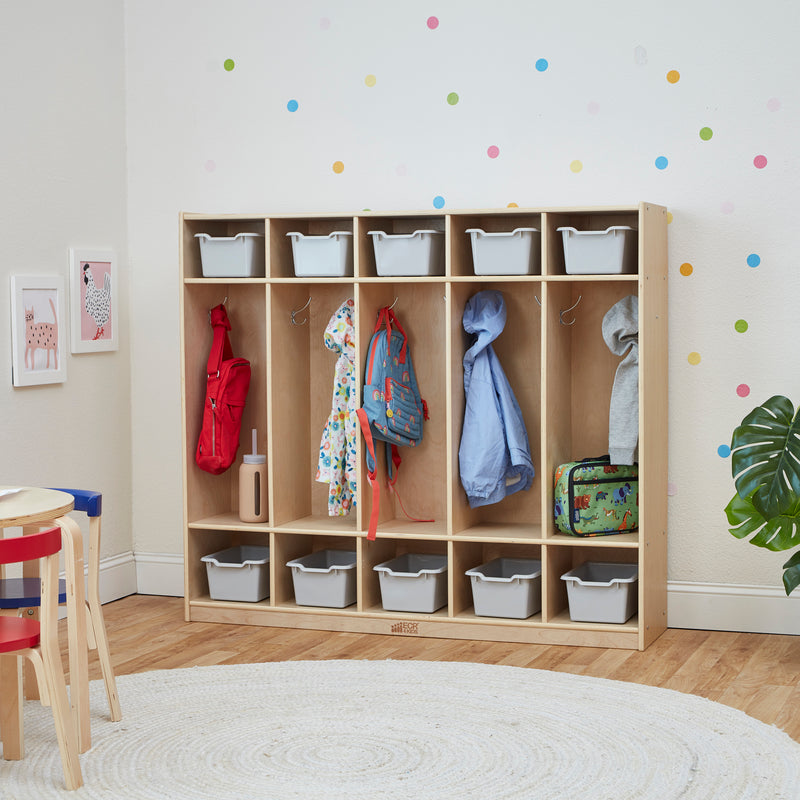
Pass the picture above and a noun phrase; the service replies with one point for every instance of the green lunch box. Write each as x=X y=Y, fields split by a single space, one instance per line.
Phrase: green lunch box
x=594 y=497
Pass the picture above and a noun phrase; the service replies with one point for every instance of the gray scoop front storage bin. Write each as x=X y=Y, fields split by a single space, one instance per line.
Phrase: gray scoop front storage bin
x=238 y=573
x=507 y=587
x=325 y=578
x=602 y=592
x=413 y=582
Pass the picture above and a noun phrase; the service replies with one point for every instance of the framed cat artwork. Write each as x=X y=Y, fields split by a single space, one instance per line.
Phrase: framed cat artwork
x=38 y=330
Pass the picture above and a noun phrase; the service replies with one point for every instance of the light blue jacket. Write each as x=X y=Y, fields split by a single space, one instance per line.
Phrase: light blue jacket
x=494 y=456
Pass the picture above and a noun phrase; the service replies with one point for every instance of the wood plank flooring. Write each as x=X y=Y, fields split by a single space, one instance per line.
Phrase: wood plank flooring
x=757 y=673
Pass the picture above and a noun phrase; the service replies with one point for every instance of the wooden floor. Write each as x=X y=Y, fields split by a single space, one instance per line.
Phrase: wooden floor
x=757 y=673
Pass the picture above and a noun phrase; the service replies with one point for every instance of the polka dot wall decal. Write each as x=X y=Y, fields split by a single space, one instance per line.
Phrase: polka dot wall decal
x=210 y=165
x=686 y=269
x=292 y=105
x=672 y=488
x=370 y=80
x=513 y=205
x=693 y=359
x=438 y=201
x=576 y=166
x=759 y=162
x=743 y=390
x=325 y=24
x=773 y=104
x=432 y=23
x=229 y=64
x=593 y=108
x=753 y=260
x=673 y=76
x=669 y=218
x=661 y=162
x=724 y=451
x=741 y=325
x=452 y=98
x=706 y=134
x=493 y=151
x=338 y=167
x=726 y=207
x=541 y=65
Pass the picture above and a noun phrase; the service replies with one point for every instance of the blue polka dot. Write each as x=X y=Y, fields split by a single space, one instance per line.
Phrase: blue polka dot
x=292 y=105
x=753 y=260
x=438 y=201
x=724 y=451
x=661 y=162
x=542 y=65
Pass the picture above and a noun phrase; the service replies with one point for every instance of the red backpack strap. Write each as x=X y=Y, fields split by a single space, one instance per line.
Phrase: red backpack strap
x=391 y=318
x=221 y=346
x=371 y=475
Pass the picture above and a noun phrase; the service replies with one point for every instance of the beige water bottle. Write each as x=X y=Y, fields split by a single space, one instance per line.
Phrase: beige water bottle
x=253 y=505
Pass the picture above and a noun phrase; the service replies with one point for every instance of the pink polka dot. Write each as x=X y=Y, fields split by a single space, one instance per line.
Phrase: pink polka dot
x=325 y=23
x=493 y=151
x=743 y=390
x=760 y=162
x=773 y=104
x=727 y=207
x=593 y=108
x=672 y=489
x=210 y=165
x=433 y=23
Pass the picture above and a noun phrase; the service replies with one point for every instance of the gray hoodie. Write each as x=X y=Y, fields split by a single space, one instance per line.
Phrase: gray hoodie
x=621 y=334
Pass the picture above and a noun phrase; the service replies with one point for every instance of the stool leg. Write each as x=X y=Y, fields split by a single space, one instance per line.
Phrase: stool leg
x=96 y=621
x=30 y=569
x=76 y=629
x=11 y=707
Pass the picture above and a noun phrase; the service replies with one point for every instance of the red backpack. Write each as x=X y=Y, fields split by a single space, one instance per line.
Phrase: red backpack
x=228 y=380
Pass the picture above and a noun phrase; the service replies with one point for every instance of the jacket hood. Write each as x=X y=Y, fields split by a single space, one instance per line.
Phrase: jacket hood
x=485 y=316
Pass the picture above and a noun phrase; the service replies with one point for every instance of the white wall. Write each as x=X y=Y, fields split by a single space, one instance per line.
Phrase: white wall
x=63 y=184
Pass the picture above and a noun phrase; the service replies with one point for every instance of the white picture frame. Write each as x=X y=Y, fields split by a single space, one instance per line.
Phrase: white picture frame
x=94 y=325
x=38 y=330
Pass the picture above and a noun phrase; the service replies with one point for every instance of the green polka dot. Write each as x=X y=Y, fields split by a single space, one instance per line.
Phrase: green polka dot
x=452 y=98
x=229 y=65
x=706 y=134
x=741 y=325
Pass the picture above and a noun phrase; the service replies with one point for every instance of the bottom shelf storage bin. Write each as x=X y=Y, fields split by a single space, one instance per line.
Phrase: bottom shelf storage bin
x=507 y=587
x=601 y=592
x=326 y=578
x=238 y=573
x=413 y=582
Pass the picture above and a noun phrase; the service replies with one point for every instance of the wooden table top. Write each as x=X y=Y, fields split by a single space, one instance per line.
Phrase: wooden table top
x=31 y=504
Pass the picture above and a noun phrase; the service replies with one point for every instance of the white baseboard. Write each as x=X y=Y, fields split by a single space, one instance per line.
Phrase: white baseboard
x=700 y=606
x=728 y=607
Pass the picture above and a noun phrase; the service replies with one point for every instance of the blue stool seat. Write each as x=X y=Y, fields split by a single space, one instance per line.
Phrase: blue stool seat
x=25 y=592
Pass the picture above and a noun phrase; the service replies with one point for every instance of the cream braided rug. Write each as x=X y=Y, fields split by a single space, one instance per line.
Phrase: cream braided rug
x=369 y=730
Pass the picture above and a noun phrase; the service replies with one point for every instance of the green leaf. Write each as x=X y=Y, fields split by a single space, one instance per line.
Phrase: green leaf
x=791 y=573
x=766 y=457
x=779 y=533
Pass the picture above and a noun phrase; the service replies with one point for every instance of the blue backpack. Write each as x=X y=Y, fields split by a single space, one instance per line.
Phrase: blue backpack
x=393 y=410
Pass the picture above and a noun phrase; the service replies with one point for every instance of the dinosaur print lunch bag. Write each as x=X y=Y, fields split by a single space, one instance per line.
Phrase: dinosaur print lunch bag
x=594 y=497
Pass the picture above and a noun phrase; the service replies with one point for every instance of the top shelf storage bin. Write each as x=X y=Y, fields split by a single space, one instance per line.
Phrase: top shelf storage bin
x=608 y=252
x=239 y=256
x=513 y=253
x=410 y=254
x=324 y=256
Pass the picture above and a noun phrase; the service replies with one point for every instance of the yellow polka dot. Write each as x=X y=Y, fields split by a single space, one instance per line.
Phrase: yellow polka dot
x=370 y=80
x=513 y=205
x=673 y=76
x=687 y=269
x=576 y=166
x=694 y=358
x=338 y=167
x=669 y=217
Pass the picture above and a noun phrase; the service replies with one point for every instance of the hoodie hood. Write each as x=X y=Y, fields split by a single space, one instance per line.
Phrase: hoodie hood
x=484 y=316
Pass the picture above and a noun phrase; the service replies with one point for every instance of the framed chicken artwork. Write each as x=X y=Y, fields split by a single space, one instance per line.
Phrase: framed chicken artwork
x=93 y=301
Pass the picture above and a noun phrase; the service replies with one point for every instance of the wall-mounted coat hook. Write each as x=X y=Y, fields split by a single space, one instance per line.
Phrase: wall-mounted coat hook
x=211 y=309
x=393 y=304
x=538 y=301
x=567 y=310
x=294 y=313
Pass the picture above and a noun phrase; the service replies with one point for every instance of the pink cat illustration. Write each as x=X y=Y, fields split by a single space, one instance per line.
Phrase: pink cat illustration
x=41 y=335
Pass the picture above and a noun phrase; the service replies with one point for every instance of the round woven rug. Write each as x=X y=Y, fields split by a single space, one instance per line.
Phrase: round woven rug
x=405 y=729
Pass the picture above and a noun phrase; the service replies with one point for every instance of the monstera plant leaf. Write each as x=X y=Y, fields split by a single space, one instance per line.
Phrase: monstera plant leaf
x=791 y=573
x=766 y=457
x=779 y=533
